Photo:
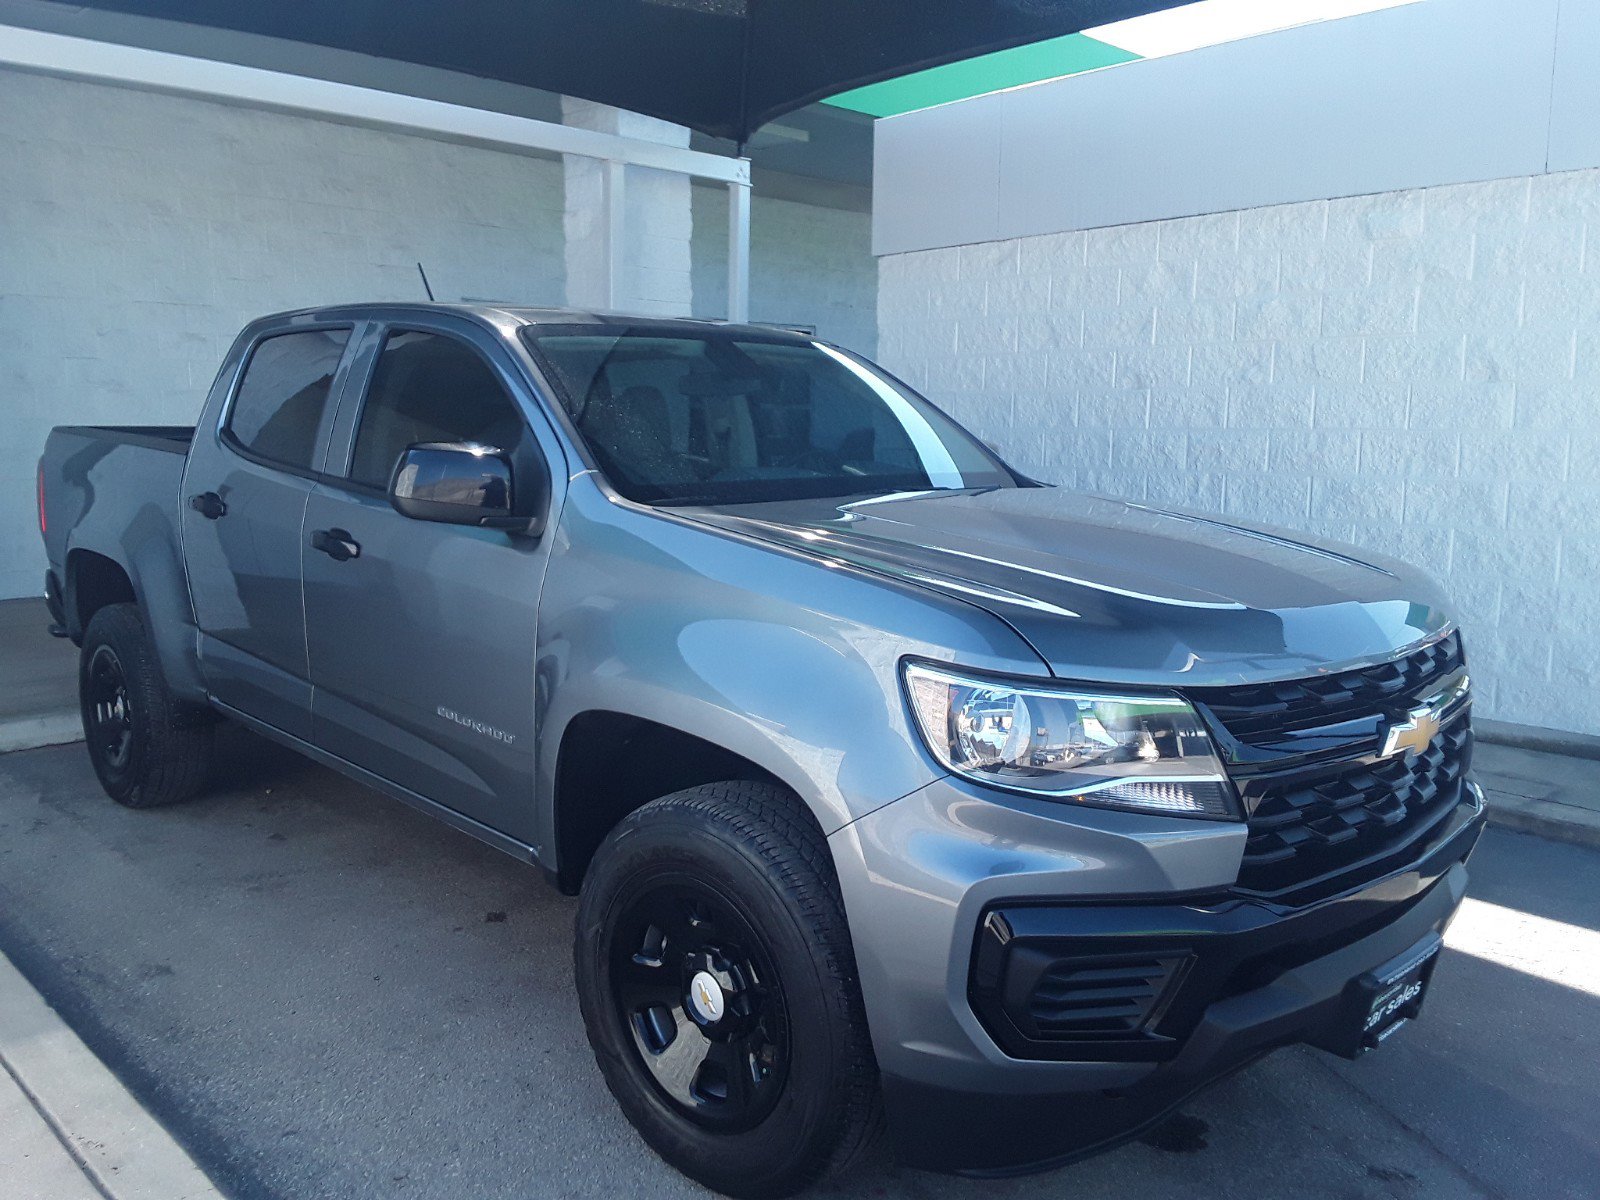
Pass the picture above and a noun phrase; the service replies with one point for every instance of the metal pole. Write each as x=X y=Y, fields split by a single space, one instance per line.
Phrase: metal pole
x=739 y=251
x=615 y=179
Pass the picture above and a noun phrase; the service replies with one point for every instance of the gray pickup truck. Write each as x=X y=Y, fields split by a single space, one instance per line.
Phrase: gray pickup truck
x=898 y=788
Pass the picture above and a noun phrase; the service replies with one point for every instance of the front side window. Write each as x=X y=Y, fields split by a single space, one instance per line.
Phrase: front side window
x=429 y=387
x=280 y=411
x=726 y=417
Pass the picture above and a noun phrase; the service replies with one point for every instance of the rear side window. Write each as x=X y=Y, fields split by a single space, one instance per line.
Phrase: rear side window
x=281 y=409
x=428 y=387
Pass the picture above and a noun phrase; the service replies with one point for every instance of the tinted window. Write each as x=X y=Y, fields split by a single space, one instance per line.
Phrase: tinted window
x=724 y=417
x=282 y=403
x=430 y=388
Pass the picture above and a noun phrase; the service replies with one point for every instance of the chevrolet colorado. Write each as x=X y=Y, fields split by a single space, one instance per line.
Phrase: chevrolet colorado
x=898 y=788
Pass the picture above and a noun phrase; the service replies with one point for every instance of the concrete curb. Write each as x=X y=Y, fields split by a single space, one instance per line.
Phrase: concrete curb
x=123 y=1152
x=1556 y=796
x=1526 y=737
x=46 y=729
x=1547 y=818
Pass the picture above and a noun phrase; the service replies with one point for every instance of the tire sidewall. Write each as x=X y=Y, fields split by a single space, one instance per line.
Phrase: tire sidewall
x=805 y=1116
x=119 y=630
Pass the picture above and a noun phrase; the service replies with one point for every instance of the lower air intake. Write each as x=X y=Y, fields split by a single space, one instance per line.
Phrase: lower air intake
x=1078 y=997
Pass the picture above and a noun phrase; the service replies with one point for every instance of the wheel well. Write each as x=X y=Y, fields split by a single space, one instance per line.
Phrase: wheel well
x=610 y=764
x=94 y=581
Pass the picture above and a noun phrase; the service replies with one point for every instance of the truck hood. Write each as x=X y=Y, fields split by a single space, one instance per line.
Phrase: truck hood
x=1115 y=592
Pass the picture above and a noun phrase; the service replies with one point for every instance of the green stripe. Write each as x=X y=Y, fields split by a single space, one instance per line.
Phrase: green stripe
x=1070 y=55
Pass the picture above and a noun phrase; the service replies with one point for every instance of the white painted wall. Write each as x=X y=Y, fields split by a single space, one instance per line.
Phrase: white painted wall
x=1381 y=324
x=138 y=232
x=813 y=265
x=1417 y=372
x=1443 y=91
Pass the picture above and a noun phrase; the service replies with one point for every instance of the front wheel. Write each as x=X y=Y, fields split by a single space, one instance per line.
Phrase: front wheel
x=147 y=747
x=718 y=988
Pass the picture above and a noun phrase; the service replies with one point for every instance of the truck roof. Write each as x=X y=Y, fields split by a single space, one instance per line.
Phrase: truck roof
x=495 y=313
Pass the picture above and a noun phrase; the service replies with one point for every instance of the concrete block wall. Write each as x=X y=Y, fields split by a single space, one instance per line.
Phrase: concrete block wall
x=810 y=265
x=1417 y=372
x=138 y=232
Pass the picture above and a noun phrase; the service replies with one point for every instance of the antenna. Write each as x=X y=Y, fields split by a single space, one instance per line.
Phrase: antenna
x=425 y=286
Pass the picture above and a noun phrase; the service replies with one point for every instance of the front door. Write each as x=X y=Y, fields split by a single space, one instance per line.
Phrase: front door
x=244 y=497
x=422 y=640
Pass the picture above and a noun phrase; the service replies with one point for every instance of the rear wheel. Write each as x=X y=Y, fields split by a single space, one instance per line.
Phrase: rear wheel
x=718 y=988
x=148 y=748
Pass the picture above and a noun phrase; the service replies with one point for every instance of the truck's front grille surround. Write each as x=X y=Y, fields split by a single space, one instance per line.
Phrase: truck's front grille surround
x=1323 y=805
x=1327 y=813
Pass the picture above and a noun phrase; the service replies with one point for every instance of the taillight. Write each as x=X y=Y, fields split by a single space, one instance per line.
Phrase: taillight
x=42 y=525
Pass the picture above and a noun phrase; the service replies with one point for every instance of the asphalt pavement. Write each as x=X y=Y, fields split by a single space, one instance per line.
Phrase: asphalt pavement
x=323 y=994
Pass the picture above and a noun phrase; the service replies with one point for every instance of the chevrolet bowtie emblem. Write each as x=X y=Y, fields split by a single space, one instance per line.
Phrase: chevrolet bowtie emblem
x=1414 y=733
x=1421 y=724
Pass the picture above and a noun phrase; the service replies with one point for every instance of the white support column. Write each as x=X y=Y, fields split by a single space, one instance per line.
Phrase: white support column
x=739 y=251
x=628 y=226
x=615 y=206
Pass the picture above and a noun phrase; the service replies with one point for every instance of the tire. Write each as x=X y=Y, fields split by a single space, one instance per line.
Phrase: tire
x=730 y=882
x=148 y=748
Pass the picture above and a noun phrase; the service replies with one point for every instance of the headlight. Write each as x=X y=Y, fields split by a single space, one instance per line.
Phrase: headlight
x=1148 y=753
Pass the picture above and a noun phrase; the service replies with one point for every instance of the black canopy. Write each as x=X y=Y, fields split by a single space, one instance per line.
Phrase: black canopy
x=723 y=67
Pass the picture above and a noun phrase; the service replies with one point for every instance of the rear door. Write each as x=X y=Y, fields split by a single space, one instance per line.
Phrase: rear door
x=422 y=644
x=248 y=478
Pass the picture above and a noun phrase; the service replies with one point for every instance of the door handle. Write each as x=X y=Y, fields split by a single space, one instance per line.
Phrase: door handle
x=337 y=544
x=209 y=505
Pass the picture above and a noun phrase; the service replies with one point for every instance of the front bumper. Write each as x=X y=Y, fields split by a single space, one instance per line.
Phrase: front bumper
x=978 y=1090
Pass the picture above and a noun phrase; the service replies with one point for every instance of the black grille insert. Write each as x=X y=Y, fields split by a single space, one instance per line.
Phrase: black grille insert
x=1255 y=713
x=1312 y=822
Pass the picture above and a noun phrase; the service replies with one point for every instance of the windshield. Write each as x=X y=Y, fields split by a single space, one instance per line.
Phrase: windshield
x=719 y=417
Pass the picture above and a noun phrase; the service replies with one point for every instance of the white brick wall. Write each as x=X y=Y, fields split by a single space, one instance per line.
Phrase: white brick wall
x=138 y=232
x=810 y=265
x=1418 y=372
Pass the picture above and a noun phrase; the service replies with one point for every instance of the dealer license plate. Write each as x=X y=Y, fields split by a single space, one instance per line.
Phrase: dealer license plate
x=1380 y=1002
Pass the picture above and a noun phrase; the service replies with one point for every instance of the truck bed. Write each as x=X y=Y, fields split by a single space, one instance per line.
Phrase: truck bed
x=113 y=491
x=174 y=439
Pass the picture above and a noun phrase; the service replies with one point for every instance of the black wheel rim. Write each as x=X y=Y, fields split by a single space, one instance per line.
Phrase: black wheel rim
x=110 y=710
x=693 y=984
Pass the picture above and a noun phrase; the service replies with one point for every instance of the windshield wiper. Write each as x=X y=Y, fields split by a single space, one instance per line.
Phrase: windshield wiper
x=691 y=499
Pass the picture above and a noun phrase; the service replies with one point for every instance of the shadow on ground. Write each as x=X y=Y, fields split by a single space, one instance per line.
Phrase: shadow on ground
x=326 y=994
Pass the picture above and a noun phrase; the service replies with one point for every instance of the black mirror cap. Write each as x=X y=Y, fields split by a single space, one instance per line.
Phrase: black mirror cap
x=463 y=483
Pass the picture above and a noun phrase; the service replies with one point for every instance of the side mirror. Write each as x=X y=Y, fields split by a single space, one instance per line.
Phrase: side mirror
x=458 y=483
